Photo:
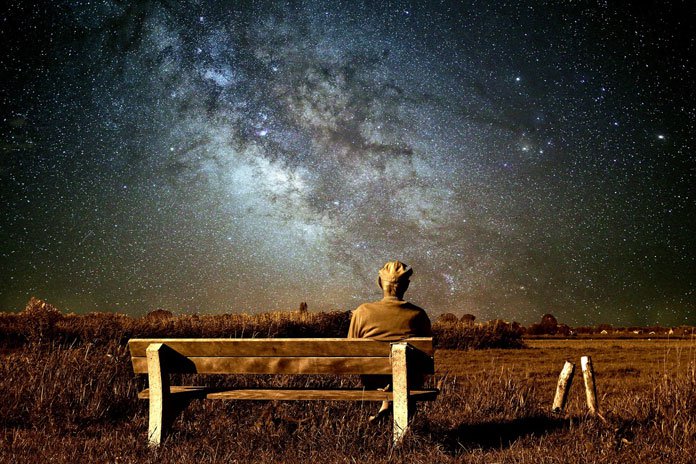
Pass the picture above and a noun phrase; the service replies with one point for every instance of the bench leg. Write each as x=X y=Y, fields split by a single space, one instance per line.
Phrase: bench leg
x=159 y=395
x=400 y=390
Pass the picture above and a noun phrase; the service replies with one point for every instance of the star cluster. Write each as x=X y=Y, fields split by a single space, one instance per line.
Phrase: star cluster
x=523 y=157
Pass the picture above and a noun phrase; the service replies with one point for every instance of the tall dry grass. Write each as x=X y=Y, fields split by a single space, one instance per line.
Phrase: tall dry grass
x=68 y=394
x=63 y=404
x=463 y=336
x=41 y=322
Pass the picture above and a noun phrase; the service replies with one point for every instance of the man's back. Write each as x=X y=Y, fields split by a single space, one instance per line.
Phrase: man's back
x=389 y=319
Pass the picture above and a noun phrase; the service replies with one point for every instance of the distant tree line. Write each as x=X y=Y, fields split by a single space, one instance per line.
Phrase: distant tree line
x=549 y=325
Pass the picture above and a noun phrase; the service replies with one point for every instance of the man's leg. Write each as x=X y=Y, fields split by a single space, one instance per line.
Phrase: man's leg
x=378 y=382
x=383 y=412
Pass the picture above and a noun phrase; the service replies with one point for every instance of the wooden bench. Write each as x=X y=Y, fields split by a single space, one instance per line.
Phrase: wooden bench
x=335 y=356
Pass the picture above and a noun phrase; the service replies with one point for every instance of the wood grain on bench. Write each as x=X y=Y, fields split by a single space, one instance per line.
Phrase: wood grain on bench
x=290 y=394
x=160 y=357
x=259 y=347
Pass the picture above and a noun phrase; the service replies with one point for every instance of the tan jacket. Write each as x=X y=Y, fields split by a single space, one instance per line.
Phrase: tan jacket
x=389 y=319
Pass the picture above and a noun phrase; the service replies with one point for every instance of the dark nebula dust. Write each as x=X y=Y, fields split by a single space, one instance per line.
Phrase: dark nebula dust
x=524 y=157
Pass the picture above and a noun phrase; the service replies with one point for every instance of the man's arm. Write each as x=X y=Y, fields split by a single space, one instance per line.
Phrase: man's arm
x=353 y=330
x=425 y=328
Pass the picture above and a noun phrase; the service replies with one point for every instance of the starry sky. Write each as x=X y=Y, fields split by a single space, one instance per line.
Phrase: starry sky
x=524 y=157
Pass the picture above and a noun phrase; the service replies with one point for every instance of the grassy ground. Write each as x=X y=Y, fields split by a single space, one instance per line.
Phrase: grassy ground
x=620 y=366
x=78 y=404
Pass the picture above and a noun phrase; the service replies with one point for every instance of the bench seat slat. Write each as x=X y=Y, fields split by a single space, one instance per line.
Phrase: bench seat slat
x=271 y=365
x=201 y=347
x=290 y=394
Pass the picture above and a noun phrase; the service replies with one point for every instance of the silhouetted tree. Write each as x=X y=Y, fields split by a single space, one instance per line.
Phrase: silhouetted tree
x=159 y=314
x=563 y=329
x=549 y=320
x=447 y=318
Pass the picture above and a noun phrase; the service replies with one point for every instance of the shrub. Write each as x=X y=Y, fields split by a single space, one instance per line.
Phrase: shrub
x=39 y=319
x=447 y=318
x=463 y=336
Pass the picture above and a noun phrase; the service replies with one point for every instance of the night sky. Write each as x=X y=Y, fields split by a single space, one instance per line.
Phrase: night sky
x=524 y=157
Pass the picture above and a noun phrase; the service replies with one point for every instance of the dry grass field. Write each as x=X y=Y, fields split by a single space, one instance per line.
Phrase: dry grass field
x=76 y=402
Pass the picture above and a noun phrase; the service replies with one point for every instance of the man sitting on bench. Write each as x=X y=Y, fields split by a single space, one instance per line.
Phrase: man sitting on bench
x=390 y=319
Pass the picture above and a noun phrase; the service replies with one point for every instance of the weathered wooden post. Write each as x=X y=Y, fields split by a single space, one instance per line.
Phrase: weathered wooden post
x=590 y=387
x=158 y=381
x=400 y=390
x=564 y=382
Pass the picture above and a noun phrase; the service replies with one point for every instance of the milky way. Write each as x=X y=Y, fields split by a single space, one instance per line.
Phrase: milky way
x=246 y=156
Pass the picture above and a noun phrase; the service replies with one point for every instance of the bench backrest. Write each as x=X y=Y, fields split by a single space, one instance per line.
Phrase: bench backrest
x=280 y=355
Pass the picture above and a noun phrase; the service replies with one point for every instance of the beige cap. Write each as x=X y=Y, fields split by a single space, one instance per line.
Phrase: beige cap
x=394 y=271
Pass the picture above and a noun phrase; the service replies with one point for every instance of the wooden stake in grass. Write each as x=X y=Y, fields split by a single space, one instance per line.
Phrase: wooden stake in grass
x=590 y=387
x=563 y=387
